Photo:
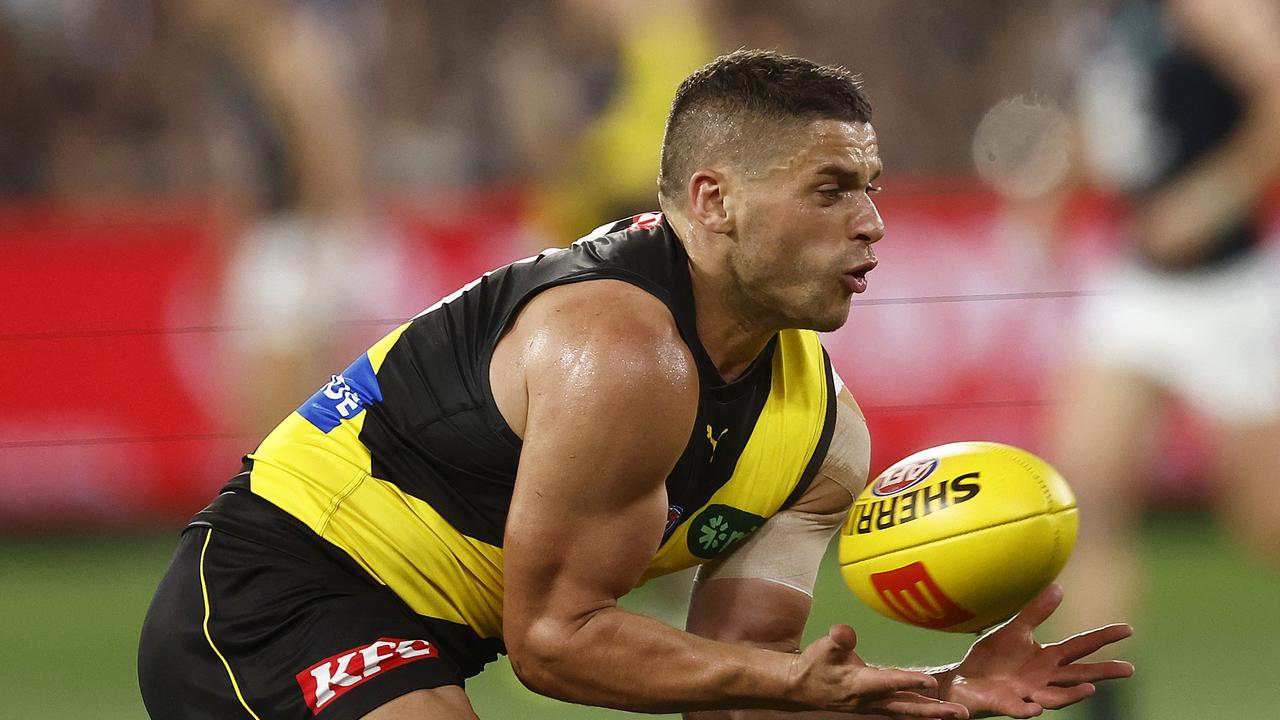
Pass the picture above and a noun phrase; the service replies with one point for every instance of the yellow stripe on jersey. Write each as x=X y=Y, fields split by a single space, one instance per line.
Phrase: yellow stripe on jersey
x=306 y=472
x=401 y=541
x=780 y=447
x=324 y=480
x=407 y=546
x=299 y=465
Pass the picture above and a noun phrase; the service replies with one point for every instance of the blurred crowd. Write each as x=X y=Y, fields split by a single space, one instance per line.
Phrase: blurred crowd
x=311 y=103
x=294 y=122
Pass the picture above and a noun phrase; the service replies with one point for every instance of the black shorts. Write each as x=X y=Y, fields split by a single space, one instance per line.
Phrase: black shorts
x=257 y=617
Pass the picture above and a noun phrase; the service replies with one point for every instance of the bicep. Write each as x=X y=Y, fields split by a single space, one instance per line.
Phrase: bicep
x=589 y=504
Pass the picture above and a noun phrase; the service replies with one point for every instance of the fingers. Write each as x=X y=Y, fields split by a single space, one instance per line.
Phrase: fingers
x=843 y=636
x=914 y=705
x=1054 y=698
x=1089 y=642
x=1077 y=673
x=840 y=642
x=885 y=681
x=1039 y=609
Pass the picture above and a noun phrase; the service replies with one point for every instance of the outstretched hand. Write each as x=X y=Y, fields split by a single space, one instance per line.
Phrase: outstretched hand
x=1008 y=673
x=830 y=675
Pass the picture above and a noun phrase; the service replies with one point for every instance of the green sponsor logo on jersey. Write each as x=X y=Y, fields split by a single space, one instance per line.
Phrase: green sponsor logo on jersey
x=719 y=527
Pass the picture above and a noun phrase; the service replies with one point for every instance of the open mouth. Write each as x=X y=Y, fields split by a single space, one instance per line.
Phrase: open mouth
x=856 y=278
x=857 y=282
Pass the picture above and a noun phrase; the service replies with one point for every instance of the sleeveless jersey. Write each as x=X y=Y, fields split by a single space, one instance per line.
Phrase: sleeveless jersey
x=404 y=462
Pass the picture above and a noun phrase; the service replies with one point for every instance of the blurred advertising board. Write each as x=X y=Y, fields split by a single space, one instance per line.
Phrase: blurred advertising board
x=119 y=411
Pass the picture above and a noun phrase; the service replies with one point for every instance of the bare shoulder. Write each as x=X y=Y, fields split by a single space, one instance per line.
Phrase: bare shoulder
x=599 y=342
x=604 y=308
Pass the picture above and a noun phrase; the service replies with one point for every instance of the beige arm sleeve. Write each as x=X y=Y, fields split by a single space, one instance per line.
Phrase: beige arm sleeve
x=789 y=546
x=785 y=550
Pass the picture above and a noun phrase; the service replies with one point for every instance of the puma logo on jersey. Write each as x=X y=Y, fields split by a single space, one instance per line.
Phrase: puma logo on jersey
x=714 y=439
x=330 y=678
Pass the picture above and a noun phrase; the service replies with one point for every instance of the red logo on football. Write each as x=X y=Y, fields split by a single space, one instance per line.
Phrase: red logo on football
x=911 y=593
x=330 y=678
x=903 y=477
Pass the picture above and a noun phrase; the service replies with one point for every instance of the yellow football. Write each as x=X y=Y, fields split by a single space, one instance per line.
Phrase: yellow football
x=958 y=537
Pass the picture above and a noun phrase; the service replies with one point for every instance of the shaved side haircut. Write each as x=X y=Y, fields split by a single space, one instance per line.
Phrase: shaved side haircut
x=737 y=108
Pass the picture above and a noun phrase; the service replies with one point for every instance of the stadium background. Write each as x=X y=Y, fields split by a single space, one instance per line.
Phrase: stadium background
x=207 y=207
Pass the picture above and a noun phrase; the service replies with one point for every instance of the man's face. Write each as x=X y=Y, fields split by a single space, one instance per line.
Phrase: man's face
x=804 y=224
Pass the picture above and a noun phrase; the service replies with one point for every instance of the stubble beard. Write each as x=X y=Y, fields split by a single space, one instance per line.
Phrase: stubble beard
x=822 y=317
x=815 y=314
x=781 y=306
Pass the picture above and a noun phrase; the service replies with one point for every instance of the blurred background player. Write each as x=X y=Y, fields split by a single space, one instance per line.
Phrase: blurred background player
x=1180 y=109
x=308 y=252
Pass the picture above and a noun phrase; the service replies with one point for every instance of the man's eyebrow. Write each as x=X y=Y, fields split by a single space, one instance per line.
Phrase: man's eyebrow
x=843 y=172
x=836 y=170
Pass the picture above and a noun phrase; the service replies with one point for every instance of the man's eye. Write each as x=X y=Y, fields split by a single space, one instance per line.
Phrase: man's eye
x=832 y=193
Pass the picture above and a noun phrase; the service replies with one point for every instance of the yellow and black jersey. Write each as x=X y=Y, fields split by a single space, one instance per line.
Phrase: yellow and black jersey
x=404 y=462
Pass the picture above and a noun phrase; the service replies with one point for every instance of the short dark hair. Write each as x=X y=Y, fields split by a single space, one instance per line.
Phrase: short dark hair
x=733 y=106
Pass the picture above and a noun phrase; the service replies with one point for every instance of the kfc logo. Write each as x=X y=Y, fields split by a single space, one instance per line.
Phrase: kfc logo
x=330 y=678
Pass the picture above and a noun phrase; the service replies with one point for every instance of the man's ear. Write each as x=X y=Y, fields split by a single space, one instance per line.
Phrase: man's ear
x=707 y=192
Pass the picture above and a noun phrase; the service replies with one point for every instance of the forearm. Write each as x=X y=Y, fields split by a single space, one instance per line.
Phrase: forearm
x=777 y=715
x=623 y=660
x=944 y=676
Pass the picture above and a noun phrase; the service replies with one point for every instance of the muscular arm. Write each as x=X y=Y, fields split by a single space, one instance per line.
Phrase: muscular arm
x=1239 y=39
x=610 y=401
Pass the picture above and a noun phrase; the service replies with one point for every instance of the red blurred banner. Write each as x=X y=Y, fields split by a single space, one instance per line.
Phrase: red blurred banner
x=114 y=332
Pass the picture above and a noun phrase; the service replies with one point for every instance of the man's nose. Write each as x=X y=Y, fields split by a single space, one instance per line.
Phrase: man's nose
x=866 y=223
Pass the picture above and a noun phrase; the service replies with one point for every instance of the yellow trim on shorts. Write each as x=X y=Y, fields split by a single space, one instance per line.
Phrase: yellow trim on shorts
x=204 y=590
